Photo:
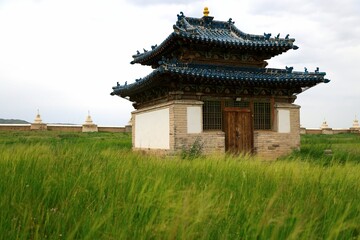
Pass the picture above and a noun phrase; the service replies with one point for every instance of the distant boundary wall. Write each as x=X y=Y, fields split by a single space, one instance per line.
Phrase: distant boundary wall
x=127 y=128
x=328 y=131
x=62 y=128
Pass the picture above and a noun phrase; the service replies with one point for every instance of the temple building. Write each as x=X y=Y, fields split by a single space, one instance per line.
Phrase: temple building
x=210 y=84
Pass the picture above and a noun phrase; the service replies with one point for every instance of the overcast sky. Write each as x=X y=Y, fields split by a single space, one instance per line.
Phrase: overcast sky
x=64 y=57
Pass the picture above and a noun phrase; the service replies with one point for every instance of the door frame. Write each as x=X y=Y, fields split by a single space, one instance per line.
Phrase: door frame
x=250 y=129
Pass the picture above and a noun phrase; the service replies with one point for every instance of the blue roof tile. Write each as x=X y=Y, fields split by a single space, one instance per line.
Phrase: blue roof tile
x=217 y=33
x=236 y=76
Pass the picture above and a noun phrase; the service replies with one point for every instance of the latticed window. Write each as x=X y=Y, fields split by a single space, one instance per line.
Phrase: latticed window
x=212 y=115
x=262 y=116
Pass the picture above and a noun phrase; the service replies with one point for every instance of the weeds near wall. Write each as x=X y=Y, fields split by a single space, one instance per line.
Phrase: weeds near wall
x=194 y=151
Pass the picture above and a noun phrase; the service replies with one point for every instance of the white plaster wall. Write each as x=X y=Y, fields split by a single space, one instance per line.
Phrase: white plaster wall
x=283 y=121
x=194 y=119
x=152 y=129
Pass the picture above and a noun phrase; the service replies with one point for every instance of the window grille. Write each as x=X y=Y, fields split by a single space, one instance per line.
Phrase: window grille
x=262 y=116
x=212 y=115
x=213 y=118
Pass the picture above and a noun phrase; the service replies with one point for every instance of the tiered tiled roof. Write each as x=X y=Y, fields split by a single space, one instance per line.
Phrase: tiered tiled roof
x=210 y=33
x=206 y=35
x=222 y=75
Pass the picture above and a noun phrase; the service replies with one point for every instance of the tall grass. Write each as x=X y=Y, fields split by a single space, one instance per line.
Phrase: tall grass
x=91 y=186
x=344 y=148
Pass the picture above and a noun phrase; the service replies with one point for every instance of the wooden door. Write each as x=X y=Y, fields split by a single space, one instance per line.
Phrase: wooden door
x=238 y=130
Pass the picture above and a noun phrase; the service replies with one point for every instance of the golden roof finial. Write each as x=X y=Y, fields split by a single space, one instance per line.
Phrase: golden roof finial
x=206 y=11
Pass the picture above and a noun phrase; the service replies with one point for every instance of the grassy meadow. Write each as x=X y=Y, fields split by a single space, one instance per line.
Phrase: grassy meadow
x=92 y=186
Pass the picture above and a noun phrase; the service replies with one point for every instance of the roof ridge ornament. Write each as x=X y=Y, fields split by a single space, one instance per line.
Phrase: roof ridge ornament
x=289 y=69
x=206 y=12
x=183 y=25
x=230 y=22
x=119 y=86
x=180 y=16
x=207 y=20
x=267 y=36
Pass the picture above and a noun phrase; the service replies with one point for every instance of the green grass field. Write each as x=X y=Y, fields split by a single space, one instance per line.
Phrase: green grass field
x=91 y=186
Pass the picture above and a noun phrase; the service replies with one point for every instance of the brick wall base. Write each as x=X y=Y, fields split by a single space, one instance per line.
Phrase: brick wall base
x=269 y=144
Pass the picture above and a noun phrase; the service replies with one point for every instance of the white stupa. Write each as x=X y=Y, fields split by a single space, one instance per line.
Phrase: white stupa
x=89 y=125
x=38 y=124
x=88 y=120
x=37 y=118
x=324 y=125
x=355 y=124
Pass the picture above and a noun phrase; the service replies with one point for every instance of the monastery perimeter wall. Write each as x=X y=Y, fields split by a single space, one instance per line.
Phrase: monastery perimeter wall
x=15 y=127
x=328 y=131
x=61 y=128
x=78 y=128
